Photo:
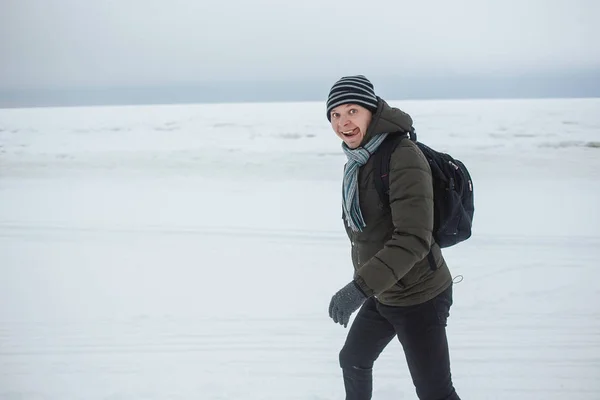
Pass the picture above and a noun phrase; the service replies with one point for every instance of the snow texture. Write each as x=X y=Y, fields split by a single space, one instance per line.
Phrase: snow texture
x=190 y=252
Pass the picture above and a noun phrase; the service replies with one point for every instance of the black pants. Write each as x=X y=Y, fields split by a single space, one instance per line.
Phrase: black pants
x=421 y=330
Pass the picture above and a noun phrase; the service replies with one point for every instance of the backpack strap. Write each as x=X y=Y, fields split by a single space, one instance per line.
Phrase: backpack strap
x=382 y=168
x=431 y=260
x=382 y=174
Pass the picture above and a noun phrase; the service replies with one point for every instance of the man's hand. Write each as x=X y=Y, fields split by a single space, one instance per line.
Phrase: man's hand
x=347 y=300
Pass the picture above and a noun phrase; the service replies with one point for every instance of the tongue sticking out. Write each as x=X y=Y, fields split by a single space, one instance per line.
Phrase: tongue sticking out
x=350 y=133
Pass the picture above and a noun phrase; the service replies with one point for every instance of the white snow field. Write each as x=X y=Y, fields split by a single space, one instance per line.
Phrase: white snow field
x=190 y=252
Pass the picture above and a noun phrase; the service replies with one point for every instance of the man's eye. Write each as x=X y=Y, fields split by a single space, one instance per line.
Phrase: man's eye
x=353 y=111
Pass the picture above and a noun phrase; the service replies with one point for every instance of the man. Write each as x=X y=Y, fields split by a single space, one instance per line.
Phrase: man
x=401 y=282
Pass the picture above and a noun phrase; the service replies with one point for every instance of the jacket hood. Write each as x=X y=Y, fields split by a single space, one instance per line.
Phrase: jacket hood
x=387 y=120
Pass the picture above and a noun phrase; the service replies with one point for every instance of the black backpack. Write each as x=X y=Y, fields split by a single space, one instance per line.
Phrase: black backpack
x=452 y=189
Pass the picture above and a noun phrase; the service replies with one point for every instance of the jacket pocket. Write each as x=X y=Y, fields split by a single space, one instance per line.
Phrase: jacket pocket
x=415 y=275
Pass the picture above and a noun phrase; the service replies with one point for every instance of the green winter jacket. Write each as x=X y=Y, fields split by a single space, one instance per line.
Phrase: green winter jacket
x=390 y=254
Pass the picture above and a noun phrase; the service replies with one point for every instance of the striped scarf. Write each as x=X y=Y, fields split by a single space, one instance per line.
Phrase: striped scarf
x=356 y=158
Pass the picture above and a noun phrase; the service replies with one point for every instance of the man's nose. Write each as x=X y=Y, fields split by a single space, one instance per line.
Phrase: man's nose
x=343 y=121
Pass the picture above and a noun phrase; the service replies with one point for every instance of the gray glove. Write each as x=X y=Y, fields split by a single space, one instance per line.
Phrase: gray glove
x=347 y=300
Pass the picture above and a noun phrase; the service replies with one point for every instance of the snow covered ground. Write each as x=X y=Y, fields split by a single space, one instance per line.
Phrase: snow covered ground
x=190 y=252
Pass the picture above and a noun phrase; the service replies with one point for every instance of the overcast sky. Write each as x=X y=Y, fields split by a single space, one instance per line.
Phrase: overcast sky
x=101 y=43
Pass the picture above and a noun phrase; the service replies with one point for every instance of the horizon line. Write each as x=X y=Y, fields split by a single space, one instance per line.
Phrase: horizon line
x=271 y=102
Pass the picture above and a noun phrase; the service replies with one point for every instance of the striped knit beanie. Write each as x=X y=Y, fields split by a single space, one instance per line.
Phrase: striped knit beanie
x=352 y=90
